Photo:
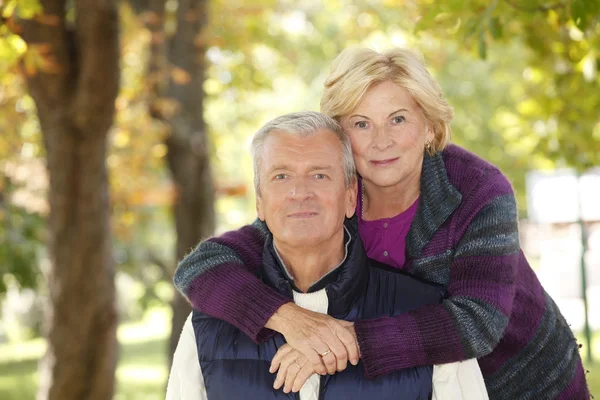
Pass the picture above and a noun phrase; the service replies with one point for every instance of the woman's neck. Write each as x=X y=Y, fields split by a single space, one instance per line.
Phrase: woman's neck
x=387 y=202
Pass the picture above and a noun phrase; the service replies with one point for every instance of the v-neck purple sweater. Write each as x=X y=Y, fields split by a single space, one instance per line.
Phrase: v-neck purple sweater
x=464 y=235
x=385 y=239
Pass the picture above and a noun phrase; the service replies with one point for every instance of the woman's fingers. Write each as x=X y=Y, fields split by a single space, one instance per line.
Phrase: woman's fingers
x=334 y=354
x=347 y=335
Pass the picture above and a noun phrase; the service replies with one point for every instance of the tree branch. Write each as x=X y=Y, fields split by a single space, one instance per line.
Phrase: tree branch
x=49 y=30
x=157 y=77
x=542 y=8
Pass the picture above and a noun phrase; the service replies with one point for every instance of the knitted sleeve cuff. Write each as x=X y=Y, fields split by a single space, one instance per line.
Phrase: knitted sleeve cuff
x=381 y=346
x=233 y=294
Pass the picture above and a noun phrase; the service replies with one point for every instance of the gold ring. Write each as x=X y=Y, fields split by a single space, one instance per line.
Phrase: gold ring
x=324 y=354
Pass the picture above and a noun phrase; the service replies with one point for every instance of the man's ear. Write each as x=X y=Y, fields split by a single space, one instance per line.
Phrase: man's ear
x=351 y=194
x=259 y=208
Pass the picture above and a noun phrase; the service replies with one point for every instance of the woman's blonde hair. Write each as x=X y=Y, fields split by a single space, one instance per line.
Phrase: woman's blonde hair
x=355 y=70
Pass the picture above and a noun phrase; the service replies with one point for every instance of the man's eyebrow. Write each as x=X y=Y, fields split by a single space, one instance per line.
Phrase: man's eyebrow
x=314 y=167
x=279 y=167
x=286 y=167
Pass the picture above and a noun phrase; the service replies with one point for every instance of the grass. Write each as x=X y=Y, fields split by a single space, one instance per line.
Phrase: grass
x=142 y=372
x=593 y=377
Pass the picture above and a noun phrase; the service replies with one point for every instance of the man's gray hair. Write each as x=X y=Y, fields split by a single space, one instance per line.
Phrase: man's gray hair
x=302 y=124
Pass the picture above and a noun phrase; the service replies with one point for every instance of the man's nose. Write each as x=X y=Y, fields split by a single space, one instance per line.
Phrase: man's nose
x=301 y=190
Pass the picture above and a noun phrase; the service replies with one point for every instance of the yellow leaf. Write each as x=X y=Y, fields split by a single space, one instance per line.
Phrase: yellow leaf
x=191 y=16
x=157 y=37
x=151 y=18
x=29 y=64
x=180 y=76
x=13 y=26
x=46 y=19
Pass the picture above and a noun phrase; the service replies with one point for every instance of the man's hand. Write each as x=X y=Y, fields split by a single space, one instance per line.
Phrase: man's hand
x=327 y=343
x=294 y=369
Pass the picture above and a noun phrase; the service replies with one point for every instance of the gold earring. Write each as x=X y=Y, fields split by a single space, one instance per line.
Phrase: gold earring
x=428 y=147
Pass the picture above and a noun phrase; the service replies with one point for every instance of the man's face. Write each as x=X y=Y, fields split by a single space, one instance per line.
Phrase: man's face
x=304 y=199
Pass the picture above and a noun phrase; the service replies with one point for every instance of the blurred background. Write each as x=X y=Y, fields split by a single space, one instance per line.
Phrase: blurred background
x=124 y=129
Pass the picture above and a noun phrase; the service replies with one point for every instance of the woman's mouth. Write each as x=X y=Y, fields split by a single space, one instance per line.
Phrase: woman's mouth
x=384 y=163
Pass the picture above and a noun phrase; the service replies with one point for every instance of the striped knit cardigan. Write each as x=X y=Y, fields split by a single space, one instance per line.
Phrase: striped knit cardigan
x=464 y=236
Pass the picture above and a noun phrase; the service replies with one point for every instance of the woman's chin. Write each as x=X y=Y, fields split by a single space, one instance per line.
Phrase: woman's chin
x=383 y=181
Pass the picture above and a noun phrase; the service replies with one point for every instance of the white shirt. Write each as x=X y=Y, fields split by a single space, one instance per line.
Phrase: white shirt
x=455 y=381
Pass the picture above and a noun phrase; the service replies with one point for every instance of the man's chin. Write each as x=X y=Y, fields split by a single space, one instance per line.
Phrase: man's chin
x=302 y=237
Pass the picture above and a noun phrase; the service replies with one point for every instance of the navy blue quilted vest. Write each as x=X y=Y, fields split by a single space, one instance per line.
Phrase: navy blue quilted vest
x=234 y=367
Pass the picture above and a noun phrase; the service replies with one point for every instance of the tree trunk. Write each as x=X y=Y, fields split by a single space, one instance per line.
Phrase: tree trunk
x=75 y=104
x=182 y=58
x=188 y=152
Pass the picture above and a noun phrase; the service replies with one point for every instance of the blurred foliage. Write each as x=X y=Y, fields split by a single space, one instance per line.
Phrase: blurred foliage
x=522 y=77
x=22 y=185
x=558 y=98
x=20 y=236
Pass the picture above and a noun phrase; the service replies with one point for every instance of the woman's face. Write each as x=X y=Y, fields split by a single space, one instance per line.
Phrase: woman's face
x=388 y=132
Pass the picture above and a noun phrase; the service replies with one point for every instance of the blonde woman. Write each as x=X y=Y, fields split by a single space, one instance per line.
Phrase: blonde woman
x=426 y=207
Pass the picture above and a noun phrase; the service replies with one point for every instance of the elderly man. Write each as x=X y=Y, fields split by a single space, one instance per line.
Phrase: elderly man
x=306 y=188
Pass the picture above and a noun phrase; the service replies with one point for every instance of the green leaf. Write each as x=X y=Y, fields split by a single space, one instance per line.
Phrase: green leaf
x=470 y=27
x=482 y=45
x=427 y=20
x=579 y=12
x=495 y=27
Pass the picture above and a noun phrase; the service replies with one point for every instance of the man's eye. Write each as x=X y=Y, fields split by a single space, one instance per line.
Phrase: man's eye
x=320 y=176
x=399 y=119
x=279 y=177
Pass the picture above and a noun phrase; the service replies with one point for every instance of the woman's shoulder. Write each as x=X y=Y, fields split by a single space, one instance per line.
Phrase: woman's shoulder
x=459 y=158
x=466 y=170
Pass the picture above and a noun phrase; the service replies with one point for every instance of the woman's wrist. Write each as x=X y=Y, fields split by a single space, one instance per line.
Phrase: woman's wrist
x=280 y=319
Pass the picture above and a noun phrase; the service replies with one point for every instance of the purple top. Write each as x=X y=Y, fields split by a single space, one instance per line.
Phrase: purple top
x=385 y=239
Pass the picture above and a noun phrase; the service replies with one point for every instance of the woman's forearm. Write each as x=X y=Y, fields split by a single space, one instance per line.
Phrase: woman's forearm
x=219 y=278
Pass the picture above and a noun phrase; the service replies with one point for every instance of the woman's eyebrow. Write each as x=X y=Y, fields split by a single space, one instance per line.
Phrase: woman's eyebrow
x=397 y=111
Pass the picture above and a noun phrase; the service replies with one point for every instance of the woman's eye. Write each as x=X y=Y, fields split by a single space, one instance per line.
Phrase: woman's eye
x=399 y=119
x=361 y=124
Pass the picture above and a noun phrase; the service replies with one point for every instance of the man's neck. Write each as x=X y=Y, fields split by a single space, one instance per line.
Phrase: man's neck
x=309 y=264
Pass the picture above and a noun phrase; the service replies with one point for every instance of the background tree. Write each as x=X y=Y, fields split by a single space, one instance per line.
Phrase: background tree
x=72 y=74
x=175 y=85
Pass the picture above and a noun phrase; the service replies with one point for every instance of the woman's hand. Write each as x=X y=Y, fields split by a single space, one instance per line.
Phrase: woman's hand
x=327 y=343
